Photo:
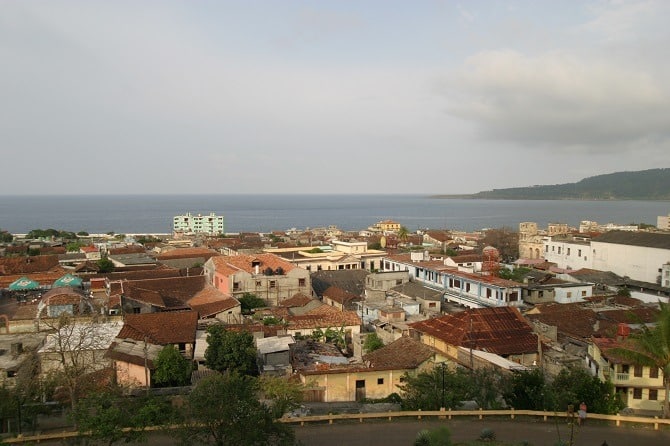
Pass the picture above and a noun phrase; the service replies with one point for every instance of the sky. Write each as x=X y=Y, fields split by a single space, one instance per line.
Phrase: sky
x=337 y=96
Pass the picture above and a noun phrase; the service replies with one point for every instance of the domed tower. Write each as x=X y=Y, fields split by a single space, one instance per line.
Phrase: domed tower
x=491 y=261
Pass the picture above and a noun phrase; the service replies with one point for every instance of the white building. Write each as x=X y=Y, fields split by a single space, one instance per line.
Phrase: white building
x=211 y=224
x=663 y=222
x=637 y=255
x=568 y=252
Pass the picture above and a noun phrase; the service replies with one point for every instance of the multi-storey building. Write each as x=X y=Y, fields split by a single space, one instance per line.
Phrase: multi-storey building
x=266 y=275
x=468 y=289
x=211 y=224
x=568 y=252
x=640 y=387
x=663 y=222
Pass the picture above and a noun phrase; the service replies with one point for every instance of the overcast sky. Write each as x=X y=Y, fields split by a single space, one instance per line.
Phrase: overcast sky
x=332 y=96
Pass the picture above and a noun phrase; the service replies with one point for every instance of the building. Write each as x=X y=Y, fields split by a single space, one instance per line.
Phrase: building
x=268 y=276
x=663 y=222
x=211 y=224
x=339 y=255
x=568 y=252
x=640 y=387
x=385 y=226
x=637 y=255
x=468 y=289
x=500 y=331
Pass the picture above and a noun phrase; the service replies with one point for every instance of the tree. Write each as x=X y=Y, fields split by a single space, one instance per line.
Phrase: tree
x=224 y=409
x=230 y=351
x=172 y=369
x=5 y=236
x=105 y=265
x=372 y=342
x=72 y=353
x=285 y=394
x=403 y=234
x=573 y=385
x=107 y=417
x=249 y=301
x=527 y=390
x=484 y=387
x=505 y=240
x=433 y=389
x=651 y=347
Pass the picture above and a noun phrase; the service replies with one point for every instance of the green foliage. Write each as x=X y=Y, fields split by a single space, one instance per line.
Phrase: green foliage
x=144 y=239
x=372 y=343
x=335 y=336
x=105 y=415
x=403 y=233
x=517 y=274
x=51 y=233
x=82 y=234
x=271 y=320
x=440 y=436
x=105 y=265
x=484 y=386
x=623 y=291
x=573 y=385
x=172 y=369
x=32 y=252
x=74 y=246
x=451 y=252
x=315 y=251
x=376 y=246
x=425 y=390
x=249 y=301
x=284 y=394
x=224 y=410
x=5 y=236
x=230 y=351
x=527 y=390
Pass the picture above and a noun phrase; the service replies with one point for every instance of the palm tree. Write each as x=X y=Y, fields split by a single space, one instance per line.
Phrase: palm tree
x=651 y=347
x=403 y=233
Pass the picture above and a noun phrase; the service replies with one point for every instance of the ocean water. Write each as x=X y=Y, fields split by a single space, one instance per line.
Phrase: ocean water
x=263 y=213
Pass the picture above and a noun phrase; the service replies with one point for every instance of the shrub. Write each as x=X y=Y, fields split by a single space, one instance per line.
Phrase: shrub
x=487 y=434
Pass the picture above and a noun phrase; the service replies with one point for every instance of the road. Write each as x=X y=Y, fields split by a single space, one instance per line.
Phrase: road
x=403 y=433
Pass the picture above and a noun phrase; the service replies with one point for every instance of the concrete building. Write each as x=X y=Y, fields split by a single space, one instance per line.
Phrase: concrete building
x=188 y=223
x=636 y=255
x=568 y=252
x=338 y=255
x=663 y=222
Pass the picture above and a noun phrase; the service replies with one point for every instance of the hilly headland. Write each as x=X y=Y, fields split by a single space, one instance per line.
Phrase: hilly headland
x=652 y=184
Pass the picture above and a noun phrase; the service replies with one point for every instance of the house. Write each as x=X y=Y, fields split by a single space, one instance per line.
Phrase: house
x=502 y=331
x=429 y=299
x=177 y=293
x=378 y=283
x=182 y=258
x=339 y=298
x=329 y=377
x=274 y=354
x=83 y=344
x=640 y=387
x=339 y=255
x=463 y=288
x=385 y=226
x=61 y=300
x=266 y=275
x=138 y=343
x=351 y=281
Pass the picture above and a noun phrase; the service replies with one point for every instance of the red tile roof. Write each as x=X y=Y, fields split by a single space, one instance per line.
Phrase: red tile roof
x=340 y=296
x=187 y=253
x=162 y=328
x=402 y=354
x=500 y=330
x=27 y=265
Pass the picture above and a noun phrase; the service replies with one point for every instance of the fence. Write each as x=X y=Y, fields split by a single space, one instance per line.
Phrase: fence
x=417 y=414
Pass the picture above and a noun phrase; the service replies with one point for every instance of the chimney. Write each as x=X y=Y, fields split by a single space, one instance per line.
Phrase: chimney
x=622 y=332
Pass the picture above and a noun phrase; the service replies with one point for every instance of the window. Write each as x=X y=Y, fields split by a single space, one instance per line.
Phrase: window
x=398 y=282
x=568 y=251
x=236 y=286
x=553 y=248
x=136 y=310
x=380 y=381
x=301 y=282
x=273 y=284
x=258 y=284
x=637 y=394
x=579 y=253
x=637 y=371
x=559 y=249
x=569 y=294
x=431 y=305
x=653 y=372
x=653 y=394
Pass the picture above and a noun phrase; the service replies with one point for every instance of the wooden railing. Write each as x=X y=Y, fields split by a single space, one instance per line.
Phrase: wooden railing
x=417 y=414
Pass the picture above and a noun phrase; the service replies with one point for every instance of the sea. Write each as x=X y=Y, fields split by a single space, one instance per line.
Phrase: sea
x=153 y=214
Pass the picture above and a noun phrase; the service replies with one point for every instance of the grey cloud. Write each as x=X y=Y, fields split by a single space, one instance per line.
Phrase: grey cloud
x=561 y=100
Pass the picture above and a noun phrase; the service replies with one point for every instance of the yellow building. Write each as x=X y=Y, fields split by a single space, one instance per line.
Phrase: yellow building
x=379 y=375
x=640 y=387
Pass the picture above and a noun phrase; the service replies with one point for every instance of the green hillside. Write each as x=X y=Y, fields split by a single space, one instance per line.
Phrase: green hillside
x=652 y=184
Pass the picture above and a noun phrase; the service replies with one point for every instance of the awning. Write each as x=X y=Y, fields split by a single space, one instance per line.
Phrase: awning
x=68 y=280
x=23 y=284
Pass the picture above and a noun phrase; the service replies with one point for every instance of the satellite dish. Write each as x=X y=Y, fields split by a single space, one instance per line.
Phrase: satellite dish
x=382 y=241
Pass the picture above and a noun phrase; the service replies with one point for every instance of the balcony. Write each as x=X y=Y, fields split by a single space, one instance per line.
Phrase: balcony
x=622 y=376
